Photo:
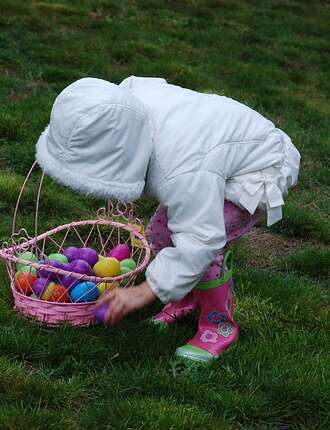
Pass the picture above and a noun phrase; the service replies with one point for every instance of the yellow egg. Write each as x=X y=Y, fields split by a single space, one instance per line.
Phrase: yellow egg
x=107 y=267
x=46 y=295
x=104 y=286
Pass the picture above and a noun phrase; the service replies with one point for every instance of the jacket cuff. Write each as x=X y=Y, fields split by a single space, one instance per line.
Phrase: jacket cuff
x=163 y=296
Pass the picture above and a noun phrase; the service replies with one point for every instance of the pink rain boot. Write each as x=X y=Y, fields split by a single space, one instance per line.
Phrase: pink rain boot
x=216 y=328
x=173 y=312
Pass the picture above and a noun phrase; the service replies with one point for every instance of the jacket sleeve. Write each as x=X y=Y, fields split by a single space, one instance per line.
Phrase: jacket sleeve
x=195 y=203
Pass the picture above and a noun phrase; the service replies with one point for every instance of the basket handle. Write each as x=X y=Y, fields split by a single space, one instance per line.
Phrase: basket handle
x=20 y=196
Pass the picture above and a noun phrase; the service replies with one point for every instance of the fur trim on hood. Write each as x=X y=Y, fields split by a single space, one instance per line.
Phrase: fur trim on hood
x=98 y=141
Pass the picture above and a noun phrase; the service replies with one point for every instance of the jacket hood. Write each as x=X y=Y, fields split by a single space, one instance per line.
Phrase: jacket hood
x=98 y=141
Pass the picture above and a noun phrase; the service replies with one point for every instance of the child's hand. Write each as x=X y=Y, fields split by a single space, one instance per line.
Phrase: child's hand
x=124 y=301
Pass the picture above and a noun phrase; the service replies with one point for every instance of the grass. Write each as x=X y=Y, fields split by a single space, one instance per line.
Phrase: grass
x=272 y=55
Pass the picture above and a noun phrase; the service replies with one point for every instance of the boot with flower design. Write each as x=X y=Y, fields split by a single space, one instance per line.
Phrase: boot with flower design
x=216 y=327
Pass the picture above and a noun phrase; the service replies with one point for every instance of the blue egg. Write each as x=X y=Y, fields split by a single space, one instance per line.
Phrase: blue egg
x=84 y=292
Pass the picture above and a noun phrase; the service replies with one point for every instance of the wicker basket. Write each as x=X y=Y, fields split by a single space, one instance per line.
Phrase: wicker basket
x=113 y=224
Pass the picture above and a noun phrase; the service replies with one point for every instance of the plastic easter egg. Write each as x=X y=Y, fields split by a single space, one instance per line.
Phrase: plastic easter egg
x=24 y=282
x=124 y=270
x=80 y=266
x=46 y=273
x=87 y=254
x=84 y=292
x=58 y=257
x=69 y=252
x=69 y=281
x=106 y=286
x=135 y=242
x=42 y=270
x=128 y=262
x=39 y=286
x=108 y=267
x=46 y=295
x=120 y=252
x=28 y=269
x=76 y=266
x=100 y=313
x=28 y=256
x=127 y=266
x=59 y=294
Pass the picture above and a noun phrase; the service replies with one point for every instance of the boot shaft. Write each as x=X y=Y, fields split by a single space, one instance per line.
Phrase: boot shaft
x=216 y=297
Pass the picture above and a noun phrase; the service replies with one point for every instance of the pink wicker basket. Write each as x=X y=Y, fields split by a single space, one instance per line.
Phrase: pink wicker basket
x=113 y=224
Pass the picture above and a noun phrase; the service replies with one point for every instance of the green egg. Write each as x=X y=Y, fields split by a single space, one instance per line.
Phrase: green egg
x=124 y=270
x=129 y=263
x=28 y=256
x=58 y=257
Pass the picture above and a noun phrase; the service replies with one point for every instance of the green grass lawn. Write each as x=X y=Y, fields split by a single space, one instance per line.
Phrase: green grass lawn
x=273 y=55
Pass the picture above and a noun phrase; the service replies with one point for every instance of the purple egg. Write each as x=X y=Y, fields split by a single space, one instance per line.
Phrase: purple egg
x=120 y=252
x=45 y=273
x=39 y=286
x=87 y=254
x=69 y=252
x=76 y=266
x=100 y=313
x=80 y=266
x=69 y=281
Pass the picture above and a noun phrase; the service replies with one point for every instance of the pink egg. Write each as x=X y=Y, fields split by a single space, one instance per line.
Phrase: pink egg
x=120 y=252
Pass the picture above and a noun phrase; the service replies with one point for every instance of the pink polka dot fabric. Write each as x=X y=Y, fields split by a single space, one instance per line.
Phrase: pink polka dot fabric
x=238 y=222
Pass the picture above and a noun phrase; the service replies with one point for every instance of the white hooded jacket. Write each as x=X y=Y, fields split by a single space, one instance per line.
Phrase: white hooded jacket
x=187 y=149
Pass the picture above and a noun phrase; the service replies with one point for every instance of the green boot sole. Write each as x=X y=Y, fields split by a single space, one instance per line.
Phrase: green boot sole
x=194 y=353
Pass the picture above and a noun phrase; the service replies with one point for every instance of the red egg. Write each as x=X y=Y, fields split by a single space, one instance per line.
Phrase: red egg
x=59 y=294
x=24 y=282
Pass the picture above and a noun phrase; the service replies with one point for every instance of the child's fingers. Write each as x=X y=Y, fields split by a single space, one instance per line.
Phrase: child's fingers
x=109 y=311
x=115 y=312
x=106 y=297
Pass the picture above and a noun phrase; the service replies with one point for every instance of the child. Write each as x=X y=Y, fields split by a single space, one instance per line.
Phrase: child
x=213 y=164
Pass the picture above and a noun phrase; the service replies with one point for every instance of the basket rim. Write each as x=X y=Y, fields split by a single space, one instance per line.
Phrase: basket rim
x=7 y=253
